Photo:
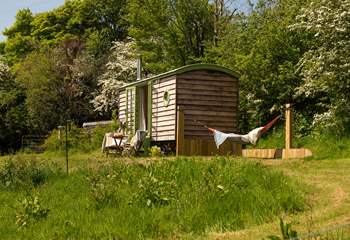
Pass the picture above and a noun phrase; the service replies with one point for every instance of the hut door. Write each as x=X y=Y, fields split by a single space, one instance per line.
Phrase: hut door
x=142 y=108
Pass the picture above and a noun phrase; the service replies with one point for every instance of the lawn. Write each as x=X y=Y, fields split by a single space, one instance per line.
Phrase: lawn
x=109 y=198
x=162 y=198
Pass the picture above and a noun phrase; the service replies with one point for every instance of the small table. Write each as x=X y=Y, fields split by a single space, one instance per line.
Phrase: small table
x=120 y=137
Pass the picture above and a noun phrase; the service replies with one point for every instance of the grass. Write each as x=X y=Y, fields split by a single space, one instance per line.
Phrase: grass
x=185 y=197
x=328 y=202
x=324 y=146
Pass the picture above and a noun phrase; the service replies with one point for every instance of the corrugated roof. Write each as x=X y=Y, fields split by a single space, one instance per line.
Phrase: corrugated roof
x=184 y=69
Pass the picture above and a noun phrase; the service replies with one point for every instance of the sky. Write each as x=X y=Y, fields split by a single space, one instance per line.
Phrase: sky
x=8 y=9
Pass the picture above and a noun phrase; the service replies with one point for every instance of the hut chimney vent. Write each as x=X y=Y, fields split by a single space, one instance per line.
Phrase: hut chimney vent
x=139 y=68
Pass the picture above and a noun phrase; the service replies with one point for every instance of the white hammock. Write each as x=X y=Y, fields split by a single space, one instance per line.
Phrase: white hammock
x=250 y=138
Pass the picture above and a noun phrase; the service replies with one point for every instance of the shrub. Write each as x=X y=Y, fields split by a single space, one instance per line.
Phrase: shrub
x=103 y=192
x=79 y=139
x=30 y=211
x=20 y=172
x=155 y=151
x=153 y=191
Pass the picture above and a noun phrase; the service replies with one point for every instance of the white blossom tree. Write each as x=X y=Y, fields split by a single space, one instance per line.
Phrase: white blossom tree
x=120 y=69
x=325 y=67
x=5 y=74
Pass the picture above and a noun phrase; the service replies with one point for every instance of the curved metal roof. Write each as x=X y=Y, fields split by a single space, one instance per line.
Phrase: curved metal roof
x=184 y=69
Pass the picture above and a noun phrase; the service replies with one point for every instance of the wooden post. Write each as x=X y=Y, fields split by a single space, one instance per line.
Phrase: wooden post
x=288 y=126
x=180 y=134
x=289 y=136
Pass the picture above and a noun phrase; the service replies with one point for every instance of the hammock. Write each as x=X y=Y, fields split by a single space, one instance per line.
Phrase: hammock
x=251 y=137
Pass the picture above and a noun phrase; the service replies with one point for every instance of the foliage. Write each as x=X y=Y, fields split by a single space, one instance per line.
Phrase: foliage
x=43 y=86
x=155 y=151
x=120 y=69
x=58 y=84
x=23 y=173
x=69 y=62
x=78 y=139
x=325 y=66
x=102 y=191
x=98 y=23
x=12 y=110
x=260 y=47
x=286 y=231
x=195 y=194
x=19 y=40
x=170 y=33
x=30 y=211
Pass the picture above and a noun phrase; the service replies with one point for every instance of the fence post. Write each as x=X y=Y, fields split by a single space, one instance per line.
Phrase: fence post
x=180 y=134
x=289 y=136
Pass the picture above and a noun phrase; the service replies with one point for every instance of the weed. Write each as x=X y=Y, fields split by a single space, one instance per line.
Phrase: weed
x=286 y=231
x=155 y=151
x=153 y=191
x=102 y=191
x=30 y=211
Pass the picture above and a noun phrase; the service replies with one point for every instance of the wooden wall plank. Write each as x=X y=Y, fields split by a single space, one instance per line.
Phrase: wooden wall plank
x=122 y=106
x=209 y=97
x=204 y=97
x=163 y=117
x=206 y=92
x=190 y=86
x=207 y=103
x=216 y=82
x=204 y=147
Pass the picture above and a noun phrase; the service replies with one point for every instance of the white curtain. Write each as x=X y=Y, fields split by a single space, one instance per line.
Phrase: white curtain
x=142 y=112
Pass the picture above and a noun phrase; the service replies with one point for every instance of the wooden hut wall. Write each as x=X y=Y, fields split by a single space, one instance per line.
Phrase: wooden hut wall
x=163 y=117
x=209 y=97
x=122 y=106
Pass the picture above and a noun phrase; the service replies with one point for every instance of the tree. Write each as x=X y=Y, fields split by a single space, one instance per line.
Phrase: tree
x=12 y=111
x=325 y=66
x=42 y=82
x=19 y=41
x=171 y=33
x=58 y=84
x=120 y=69
x=260 y=47
x=94 y=21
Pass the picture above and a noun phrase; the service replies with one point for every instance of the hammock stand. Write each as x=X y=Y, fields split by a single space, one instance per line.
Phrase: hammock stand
x=253 y=136
x=288 y=152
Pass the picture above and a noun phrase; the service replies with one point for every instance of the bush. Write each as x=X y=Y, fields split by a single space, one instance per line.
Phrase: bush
x=79 y=139
x=19 y=172
x=30 y=211
x=155 y=151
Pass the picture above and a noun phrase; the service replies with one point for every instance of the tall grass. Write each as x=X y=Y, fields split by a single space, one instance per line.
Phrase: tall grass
x=323 y=146
x=168 y=199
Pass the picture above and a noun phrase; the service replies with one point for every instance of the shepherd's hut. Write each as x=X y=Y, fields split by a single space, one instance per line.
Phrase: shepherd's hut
x=174 y=106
